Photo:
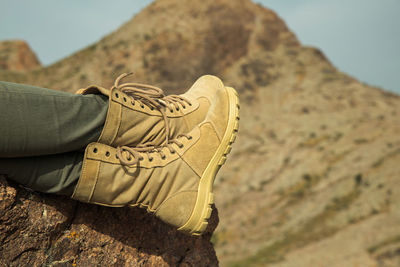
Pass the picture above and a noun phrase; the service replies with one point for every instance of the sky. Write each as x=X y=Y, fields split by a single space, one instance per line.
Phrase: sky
x=360 y=37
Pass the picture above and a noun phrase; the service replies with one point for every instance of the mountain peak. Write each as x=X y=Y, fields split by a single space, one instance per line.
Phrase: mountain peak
x=171 y=43
x=16 y=55
x=214 y=33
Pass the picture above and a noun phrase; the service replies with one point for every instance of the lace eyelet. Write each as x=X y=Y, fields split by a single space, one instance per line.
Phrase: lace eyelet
x=141 y=158
x=133 y=103
x=116 y=95
x=142 y=106
x=151 y=108
x=95 y=150
x=190 y=104
x=107 y=154
x=173 y=152
x=124 y=99
x=177 y=109
x=184 y=107
x=150 y=159
x=181 y=146
x=171 y=110
x=190 y=137
x=163 y=157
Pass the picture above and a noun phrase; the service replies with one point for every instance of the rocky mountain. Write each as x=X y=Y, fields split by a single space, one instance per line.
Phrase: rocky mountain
x=313 y=179
x=17 y=56
x=170 y=43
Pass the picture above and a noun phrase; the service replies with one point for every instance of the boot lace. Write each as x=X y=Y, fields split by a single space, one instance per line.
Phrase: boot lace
x=130 y=156
x=153 y=97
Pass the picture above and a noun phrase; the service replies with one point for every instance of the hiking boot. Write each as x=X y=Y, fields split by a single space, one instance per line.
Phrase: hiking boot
x=174 y=181
x=140 y=113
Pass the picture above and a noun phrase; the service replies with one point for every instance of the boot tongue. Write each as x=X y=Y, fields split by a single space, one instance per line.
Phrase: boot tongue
x=153 y=97
x=147 y=94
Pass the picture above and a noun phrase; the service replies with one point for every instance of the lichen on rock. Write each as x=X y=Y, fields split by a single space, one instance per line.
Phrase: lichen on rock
x=47 y=230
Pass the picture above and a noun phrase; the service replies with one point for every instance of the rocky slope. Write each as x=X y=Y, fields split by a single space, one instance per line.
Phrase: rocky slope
x=313 y=178
x=170 y=43
x=17 y=56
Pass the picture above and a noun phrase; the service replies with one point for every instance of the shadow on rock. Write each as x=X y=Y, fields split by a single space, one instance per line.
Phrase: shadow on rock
x=40 y=229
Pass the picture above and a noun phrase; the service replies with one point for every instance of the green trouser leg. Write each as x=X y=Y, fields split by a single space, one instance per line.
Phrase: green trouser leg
x=56 y=174
x=36 y=121
x=43 y=133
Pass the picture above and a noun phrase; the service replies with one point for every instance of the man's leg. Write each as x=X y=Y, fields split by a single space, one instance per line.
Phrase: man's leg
x=36 y=121
x=57 y=174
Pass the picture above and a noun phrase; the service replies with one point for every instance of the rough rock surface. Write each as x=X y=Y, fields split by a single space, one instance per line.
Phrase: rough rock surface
x=45 y=230
x=17 y=55
x=313 y=179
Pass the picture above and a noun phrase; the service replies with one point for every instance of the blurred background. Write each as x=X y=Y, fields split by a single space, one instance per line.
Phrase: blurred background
x=313 y=178
x=360 y=37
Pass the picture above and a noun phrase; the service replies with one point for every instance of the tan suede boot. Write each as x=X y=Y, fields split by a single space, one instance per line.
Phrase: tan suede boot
x=140 y=114
x=173 y=181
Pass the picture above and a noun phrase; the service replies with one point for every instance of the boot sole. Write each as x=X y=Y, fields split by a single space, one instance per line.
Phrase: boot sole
x=198 y=221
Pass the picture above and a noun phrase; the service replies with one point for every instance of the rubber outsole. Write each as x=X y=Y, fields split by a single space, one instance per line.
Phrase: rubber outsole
x=198 y=221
